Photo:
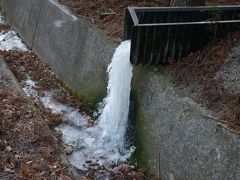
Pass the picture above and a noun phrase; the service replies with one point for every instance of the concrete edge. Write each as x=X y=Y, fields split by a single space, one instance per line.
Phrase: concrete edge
x=8 y=80
x=175 y=130
x=41 y=22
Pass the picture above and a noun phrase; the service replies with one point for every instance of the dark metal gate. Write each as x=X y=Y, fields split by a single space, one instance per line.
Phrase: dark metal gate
x=158 y=34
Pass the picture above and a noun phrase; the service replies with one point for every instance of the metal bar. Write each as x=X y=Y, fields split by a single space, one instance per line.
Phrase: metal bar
x=160 y=33
x=190 y=23
x=192 y=8
x=128 y=26
x=133 y=15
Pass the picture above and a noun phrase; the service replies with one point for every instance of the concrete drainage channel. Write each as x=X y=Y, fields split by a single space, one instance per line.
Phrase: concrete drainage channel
x=82 y=140
x=178 y=138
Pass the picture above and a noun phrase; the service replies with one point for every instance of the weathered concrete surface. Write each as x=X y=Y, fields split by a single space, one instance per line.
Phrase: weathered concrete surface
x=179 y=139
x=7 y=79
x=229 y=73
x=23 y=16
x=75 y=49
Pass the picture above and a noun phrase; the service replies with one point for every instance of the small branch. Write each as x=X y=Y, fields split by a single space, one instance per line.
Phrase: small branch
x=115 y=32
x=91 y=19
x=6 y=37
x=232 y=130
x=103 y=15
x=112 y=11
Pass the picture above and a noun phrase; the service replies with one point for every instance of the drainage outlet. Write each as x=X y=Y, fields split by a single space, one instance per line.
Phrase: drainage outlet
x=160 y=34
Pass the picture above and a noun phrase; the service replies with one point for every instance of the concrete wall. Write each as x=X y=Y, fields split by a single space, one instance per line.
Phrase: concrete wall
x=178 y=138
x=75 y=49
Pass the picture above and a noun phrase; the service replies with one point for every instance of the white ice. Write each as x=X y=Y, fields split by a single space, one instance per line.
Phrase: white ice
x=104 y=143
x=10 y=41
x=70 y=114
x=29 y=87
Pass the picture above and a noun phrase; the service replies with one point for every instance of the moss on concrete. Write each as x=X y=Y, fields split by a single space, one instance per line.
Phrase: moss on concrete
x=89 y=103
x=143 y=156
x=140 y=156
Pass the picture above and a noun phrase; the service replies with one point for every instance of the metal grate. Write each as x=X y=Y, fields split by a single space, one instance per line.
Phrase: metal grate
x=160 y=34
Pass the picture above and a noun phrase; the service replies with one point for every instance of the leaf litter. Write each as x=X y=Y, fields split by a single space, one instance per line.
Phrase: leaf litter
x=36 y=151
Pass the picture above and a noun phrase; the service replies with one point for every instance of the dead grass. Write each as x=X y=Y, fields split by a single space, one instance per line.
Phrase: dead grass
x=28 y=148
x=223 y=2
x=108 y=14
x=197 y=75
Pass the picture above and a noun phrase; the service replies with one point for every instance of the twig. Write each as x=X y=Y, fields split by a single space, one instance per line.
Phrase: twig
x=88 y=18
x=102 y=15
x=115 y=32
x=224 y=126
x=222 y=123
x=106 y=14
x=92 y=20
x=112 y=11
x=6 y=37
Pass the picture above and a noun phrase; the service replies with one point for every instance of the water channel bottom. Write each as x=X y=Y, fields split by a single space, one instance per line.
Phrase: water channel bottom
x=104 y=143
